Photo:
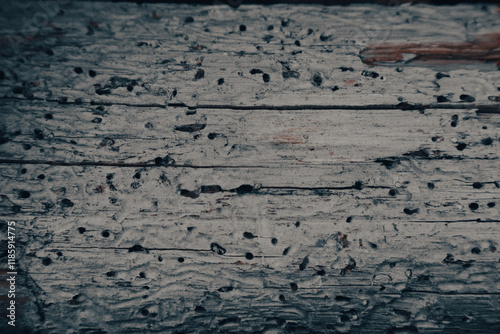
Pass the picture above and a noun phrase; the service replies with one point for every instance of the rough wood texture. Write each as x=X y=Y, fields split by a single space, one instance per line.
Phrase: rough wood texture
x=173 y=171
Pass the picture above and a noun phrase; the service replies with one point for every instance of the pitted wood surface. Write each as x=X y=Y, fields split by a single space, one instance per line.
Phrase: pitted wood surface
x=191 y=169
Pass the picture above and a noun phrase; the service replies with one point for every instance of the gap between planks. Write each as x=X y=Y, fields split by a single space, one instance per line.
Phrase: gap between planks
x=487 y=108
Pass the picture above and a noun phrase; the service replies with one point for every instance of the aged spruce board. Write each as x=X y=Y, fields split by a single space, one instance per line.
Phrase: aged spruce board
x=284 y=169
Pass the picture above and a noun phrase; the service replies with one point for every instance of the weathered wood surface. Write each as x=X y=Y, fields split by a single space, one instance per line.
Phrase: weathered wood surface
x=336 y=197
x=158 y=52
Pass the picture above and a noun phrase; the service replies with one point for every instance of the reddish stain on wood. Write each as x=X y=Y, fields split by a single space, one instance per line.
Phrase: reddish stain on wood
x=483 y=48
x=288 y=139
x=351 y=83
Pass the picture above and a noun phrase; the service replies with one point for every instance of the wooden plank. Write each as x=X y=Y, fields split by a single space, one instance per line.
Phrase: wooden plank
x=165 y=60
x=441 y=189
x=225 y=137
x=328 y=227
x=191 y=169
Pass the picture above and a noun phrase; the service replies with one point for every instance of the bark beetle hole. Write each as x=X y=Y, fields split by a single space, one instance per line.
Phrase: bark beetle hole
x=294 y=286
x=130 y=88
x=317 y=80
x=430 y=185
x=144 y=312
x=442 y=99
x=285 y=252
x=199 y=74
x=137 y=175
x=24 y=194
x=475 y=250
x=92 y=73
x=304 y=263
x=248 y=235
x=78 y=70
x=27 y=147
x=266 y=77
x=271 y=27
x=81 y=230
x=297 y=43
x=467 y=98
x=274 y=241
x=212 y=136
x=282 y=298
x=41 y=177
x=473 y=206
x=59 y=253
x=349 y=219
x=181 y=259
x=137 y=248
x=477 y=185
x=160 y=259
x=491 y=205
x=249 y=256
x=49 y=116
x=216 y=248
x=487 y=141
x=23 y=171
x=440 y=75
x=105 y=234
x=244 y=189
x=461 y=146
x=188 y=19
x=220 y=81
x=410 y=211
x=47 y=261
x=371 y=74
x=158 y=161
x=111 y=273
x=243 y=27
x=226 y=289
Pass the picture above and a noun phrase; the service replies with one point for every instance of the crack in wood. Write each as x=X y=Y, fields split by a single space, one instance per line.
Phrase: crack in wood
x=482 y=108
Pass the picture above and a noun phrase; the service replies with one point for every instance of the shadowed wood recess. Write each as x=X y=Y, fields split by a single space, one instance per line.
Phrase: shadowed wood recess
x=294 y=168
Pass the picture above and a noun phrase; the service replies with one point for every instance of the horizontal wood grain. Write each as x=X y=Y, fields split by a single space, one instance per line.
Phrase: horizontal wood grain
x=225 y=137
x=312 y=57
x=255 y=169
